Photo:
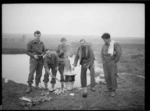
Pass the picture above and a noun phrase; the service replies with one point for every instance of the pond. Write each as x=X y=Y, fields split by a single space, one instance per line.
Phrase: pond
x=16 y=68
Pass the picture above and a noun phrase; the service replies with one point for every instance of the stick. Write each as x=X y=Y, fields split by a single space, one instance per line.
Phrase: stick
x=53 y=76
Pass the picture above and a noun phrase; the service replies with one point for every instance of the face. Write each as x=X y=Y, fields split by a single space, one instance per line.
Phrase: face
x=48 y=54
x=37 y=36
x=82 y=43
x=107 y=41
x=63 y=42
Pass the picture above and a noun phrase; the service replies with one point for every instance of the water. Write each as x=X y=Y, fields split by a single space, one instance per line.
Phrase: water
x=16 y=68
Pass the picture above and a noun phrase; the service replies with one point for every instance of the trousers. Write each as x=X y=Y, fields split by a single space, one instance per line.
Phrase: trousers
x=61 y=71
x=84 y=76
x=110 y=74
x=35 y=65
x=46 y=76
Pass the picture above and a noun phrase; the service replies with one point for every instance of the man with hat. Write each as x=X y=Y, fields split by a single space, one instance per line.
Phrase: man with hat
x=110 y=53
x=36 y=50
x=50 y=62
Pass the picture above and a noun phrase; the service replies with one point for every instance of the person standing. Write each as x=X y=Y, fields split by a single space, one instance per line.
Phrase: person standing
x=36 y=50
x=86 y=56
x=63 y=52
x=110 y=54
x=50 y=62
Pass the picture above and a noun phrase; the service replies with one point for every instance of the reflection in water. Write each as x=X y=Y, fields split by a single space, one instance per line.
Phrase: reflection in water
x=16 y=68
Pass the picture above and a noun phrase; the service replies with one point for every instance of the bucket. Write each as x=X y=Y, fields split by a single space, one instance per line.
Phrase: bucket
x=69 y=81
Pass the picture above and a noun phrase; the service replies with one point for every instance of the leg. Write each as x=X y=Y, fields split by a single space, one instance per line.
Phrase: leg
x=33 y=66
x=61 y=71
x=53 y=80
x=46 y=79
x=107 y=75
x=83 y=77
x=39 y=72
x=54 y=72
x=92 y=72
x=113 y=72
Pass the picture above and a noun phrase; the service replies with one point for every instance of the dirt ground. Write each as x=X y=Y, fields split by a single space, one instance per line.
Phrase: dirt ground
x=130 y=96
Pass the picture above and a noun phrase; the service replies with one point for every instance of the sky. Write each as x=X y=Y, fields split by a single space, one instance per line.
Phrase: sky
x=120 y=20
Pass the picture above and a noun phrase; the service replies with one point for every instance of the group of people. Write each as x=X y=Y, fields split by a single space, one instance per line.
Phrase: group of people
x=58 y=60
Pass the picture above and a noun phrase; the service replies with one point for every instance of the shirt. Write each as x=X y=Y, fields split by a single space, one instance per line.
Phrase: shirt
x=51 y=61
x=107 y=57
x=62 y=51
x=35 y=48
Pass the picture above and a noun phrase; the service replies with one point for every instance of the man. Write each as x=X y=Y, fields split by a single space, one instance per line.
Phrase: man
x=36 y=50
x=110 y=53
x=63 y=52
x=86 y=56
x=50 y=62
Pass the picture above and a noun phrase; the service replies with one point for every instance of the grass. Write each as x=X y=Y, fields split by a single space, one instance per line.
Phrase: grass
x=132 y=59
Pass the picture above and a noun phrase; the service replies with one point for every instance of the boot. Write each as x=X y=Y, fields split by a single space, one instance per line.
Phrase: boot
x=46 y=86
x=29 y=89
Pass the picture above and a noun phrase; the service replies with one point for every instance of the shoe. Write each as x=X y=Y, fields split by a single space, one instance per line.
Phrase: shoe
x=113 y=94
x=93 y=89
x=29 y=89
x=84 y=95
x=51 y=89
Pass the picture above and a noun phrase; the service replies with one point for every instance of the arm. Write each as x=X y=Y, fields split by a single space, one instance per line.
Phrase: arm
x=57 y=60
x=29 y=50
x=118 y=52
x=44 y=50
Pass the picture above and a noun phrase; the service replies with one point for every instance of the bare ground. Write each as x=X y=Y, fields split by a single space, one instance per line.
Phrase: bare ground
x=130 y=96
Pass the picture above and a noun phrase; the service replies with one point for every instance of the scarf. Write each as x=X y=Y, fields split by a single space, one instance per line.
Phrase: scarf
x=111 y=47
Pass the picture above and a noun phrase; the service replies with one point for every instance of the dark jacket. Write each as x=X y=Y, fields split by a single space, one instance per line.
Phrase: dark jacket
x=89 y=55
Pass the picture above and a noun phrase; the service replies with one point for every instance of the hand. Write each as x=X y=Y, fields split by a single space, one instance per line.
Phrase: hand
x=36 y=57
x=85 y=66
x=44 y=56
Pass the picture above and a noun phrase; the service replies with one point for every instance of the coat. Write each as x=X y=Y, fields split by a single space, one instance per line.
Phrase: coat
x=89 y=54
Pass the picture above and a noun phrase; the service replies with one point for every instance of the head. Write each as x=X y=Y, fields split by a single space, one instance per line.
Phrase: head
x=48 y=53
x=63 y=41
x=37 y=35
x=106 y=38
x=82 y=42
